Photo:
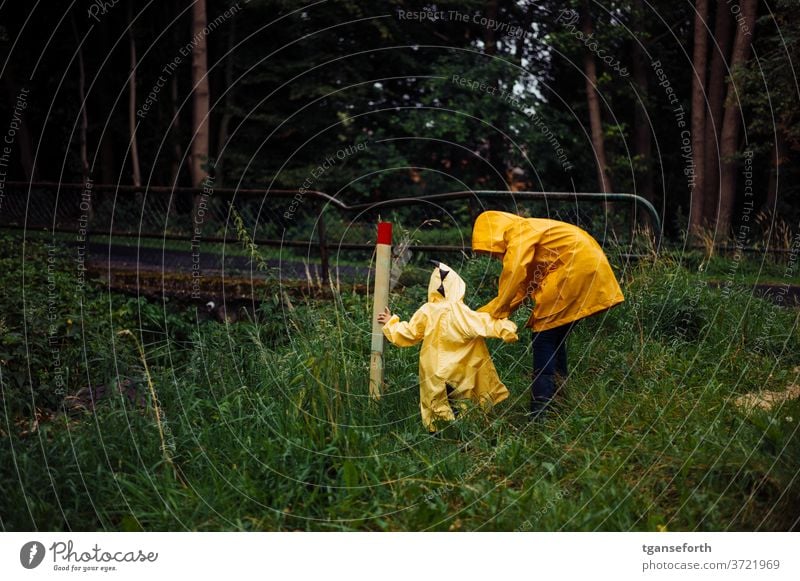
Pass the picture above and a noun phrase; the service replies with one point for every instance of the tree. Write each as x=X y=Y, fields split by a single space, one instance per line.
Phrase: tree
x=770 y=96
x=200 y=95
x=176 y=153
x=494 y=141
x=699 y=58
x=642 y=142
x=84 y=122
x=227 y=113
x=720 y=54
x=12 y=90
x=137 y=174
x=593 y=102
x=731 y=121
x=490 y=45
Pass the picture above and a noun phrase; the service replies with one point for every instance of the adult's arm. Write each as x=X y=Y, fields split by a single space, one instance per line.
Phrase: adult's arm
x=512 y=287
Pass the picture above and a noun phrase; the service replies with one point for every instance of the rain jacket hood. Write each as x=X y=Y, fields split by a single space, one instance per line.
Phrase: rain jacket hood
x=445 y=284
x=454 y=362
x=491 y=229
x=560 y=266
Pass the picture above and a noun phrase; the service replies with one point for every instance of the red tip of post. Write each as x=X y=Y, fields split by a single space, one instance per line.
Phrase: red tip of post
x=385 y=233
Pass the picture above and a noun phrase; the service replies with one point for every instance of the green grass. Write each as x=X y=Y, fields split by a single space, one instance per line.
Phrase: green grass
x=749 y=269
x=269 y=425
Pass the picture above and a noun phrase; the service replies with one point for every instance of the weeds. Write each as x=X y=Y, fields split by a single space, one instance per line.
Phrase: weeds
x=273 y=428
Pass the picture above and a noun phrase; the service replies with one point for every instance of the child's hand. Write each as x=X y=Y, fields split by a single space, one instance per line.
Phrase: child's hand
x=384 y=317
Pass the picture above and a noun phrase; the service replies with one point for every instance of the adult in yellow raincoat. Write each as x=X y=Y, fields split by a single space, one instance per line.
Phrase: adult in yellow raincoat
x=454 y=357
x=562 y=268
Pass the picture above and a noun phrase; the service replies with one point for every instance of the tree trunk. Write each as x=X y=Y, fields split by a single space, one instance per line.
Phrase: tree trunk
x=495 y=141
x=720 y=54
x=137 y=175
x=177 y=142
x=199 y=152
x=642 y=144
x=177 y=152
x=108 y=174
x=593 y=101
x=779 y=157
x=731 y=120
x=227 y=107
x=488 y=35
x=699 y=60
x=84 y=123
x=525 y=22
x=13 y=93
x=105 y=110
x=84 y=127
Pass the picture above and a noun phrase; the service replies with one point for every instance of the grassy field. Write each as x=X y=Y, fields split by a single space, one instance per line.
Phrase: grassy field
x=266 y=425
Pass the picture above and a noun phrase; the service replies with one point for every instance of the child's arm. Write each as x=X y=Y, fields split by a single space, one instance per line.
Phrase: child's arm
x=401 y=333
x=484 y=325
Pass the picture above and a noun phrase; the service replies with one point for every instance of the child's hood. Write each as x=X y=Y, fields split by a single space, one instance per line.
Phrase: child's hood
x=446 y=285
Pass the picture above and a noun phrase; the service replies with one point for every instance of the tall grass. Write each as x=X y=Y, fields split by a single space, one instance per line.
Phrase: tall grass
x=270 y=427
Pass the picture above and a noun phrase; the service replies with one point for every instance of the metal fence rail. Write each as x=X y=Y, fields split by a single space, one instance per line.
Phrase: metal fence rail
x=172 y=213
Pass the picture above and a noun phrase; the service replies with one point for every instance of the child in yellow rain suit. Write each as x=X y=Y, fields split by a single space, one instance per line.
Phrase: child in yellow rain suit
x=562 y=268
x=454 y=353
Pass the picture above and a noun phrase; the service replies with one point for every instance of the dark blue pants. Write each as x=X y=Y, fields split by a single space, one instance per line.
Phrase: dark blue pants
x=549 y=360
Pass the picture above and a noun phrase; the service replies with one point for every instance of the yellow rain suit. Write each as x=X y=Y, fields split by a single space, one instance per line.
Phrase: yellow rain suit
x=453 y=350
x=559 y=265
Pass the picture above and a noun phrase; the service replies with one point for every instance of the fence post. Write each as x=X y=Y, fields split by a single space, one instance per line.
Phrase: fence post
x=383 y=269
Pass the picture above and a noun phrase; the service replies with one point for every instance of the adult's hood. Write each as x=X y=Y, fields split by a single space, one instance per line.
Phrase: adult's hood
x=492 y=230
x=446 y=285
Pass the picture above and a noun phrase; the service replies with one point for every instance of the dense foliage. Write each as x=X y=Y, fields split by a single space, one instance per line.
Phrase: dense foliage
x=444 y=96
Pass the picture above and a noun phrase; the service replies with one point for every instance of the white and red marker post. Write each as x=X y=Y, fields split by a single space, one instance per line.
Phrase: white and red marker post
x=383 y=269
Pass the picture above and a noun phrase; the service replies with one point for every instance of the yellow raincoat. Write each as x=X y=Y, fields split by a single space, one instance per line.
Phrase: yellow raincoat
x=559 y=265
x=453 y=350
